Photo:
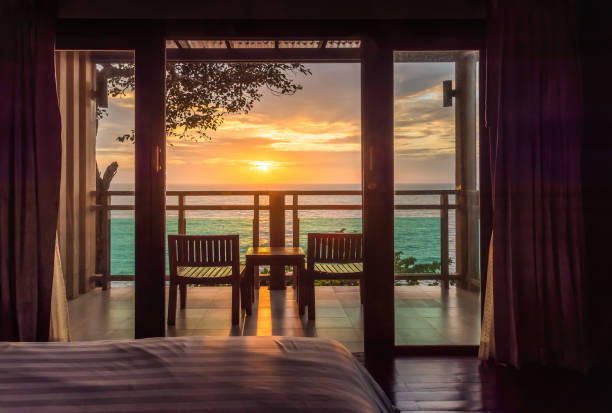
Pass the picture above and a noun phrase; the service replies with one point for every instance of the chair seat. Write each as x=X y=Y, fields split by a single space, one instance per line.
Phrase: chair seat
x=349 y=268
x=206 y=272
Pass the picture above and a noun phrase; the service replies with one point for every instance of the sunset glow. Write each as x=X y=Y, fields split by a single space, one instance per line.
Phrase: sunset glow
x=312 y=137
x=262 y=166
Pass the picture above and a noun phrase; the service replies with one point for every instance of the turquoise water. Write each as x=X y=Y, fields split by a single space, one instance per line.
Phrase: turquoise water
x=418 y=237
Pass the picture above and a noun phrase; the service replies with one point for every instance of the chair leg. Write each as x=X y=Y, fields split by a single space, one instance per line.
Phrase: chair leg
x=296 y=277
x=183 y=294
x=243 y=291
x=253 y=280
x=311 y=297
x=236 y=300
x=362 y=290
x=249 y=291
x=172 y=304
x=301 y=291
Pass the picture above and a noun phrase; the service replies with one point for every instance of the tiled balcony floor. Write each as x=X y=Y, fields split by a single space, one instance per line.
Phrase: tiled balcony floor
x=424 y=315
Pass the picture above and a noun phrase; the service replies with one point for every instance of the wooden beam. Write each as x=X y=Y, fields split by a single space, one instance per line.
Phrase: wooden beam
x=265 y=55
x=150 y=194
x=242 y=55
x=277 y=237
x=378 y=208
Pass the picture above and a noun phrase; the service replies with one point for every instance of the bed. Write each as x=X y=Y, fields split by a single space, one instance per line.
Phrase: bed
x=187 y=374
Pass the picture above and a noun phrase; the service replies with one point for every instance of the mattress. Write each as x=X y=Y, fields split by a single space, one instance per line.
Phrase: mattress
x=187 y=374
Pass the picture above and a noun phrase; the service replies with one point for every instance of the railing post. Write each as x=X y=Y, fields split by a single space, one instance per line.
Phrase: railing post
x=256 y=220
x=296 y=222
x=277 y=237
x=444 y=239
x=182 y=224
x=105 y=238
x=256 y=233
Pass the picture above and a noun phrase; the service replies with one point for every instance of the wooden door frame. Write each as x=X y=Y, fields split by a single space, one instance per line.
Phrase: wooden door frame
x=380 y=39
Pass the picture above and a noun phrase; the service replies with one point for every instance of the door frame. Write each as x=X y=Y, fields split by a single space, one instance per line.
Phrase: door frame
x=379 y=39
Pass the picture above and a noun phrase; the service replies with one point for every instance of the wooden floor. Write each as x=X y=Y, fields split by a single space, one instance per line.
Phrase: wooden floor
x=466 y=384
x=424 y=315
x=414 y=384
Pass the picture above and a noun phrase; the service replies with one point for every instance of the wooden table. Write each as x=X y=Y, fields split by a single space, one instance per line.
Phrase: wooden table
x=281 y=256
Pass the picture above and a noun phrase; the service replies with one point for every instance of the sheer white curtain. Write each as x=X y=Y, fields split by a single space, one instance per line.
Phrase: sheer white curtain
x=487 y=333
x=59 y=330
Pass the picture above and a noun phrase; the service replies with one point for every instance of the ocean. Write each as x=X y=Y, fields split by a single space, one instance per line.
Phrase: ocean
x=417 y=232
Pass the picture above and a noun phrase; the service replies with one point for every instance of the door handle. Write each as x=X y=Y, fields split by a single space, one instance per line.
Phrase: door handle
x=158 y=163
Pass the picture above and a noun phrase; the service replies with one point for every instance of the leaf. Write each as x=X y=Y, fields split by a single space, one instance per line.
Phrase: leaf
x=200 y=95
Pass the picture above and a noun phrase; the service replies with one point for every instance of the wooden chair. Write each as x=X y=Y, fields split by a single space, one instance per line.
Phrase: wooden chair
x=331 y=257
x=203 y=260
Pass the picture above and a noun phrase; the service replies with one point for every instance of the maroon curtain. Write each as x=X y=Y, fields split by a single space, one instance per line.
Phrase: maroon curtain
x=30 y=167
x=532 y=143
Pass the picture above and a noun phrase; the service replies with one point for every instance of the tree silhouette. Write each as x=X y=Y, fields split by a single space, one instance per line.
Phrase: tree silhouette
x=199 y=95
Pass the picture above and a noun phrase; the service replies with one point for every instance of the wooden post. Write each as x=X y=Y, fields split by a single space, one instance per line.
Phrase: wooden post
x=296 y=222
x=105 y=249
x=466 y=214
x=444 y=239
x=378 y=208
x=256 y=236
x=150 y=174
x=277 y=237
x=256 y=220
x=182 y=224
x=86 y=141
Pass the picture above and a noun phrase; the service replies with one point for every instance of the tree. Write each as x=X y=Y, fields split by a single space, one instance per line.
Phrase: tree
x=199 y=95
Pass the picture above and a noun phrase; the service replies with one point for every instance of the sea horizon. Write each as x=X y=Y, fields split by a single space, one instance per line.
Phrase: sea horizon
x=416 y=232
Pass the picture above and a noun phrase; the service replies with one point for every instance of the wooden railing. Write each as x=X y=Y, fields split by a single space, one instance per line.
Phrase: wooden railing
x=276 y=206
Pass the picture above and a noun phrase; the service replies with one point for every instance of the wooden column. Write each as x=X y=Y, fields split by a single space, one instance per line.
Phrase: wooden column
x=377 y=166
x=150 y=197
x=87 y=172
x=277 y=237
x=466 y=168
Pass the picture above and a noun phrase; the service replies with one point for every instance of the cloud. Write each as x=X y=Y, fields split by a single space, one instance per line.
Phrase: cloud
x=314 y=135
x=413 y=78
x=422 y=127
x=213 y=161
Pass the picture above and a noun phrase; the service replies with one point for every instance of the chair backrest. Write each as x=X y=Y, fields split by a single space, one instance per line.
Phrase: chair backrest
x=203 y=251
x=335 y=247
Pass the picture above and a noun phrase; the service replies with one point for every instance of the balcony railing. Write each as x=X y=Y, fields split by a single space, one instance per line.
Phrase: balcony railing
x=276 y=206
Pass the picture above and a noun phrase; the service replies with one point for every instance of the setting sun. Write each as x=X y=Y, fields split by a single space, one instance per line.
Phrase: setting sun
x=262 y=166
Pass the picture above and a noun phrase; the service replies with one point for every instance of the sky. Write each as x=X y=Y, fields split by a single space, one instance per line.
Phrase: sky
x=312 y=137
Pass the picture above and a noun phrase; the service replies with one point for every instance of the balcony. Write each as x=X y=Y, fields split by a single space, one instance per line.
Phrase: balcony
x=425 y=314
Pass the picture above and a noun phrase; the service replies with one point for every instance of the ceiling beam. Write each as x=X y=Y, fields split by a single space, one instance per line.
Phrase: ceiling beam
x=264 y=55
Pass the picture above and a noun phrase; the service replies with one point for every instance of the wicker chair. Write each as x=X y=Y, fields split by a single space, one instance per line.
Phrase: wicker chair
x=331 y=257
x=203 y=260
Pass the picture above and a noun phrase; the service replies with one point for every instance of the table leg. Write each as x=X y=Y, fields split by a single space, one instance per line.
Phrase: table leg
x=256 y=277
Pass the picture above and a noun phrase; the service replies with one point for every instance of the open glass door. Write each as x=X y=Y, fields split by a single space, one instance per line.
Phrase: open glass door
x=437 y=300
x=264 y=146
